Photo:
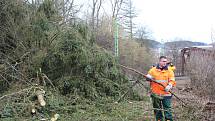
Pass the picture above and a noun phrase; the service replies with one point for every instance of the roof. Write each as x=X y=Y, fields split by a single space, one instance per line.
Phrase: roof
x=207 y=47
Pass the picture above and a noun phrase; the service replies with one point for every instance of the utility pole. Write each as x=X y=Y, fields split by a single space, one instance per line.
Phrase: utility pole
x=212 y=36
x=116 y=37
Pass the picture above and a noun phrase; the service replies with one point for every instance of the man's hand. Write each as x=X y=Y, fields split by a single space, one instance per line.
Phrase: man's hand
x=149 y=77
x=168 y=87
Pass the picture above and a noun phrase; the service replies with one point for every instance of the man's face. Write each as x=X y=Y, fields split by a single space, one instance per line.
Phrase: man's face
x=162 y=62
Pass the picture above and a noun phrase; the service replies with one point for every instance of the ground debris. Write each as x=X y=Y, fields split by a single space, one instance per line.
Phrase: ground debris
x=209 y=111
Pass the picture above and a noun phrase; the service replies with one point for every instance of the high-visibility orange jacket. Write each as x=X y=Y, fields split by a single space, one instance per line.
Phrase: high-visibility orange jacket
x=163 y=77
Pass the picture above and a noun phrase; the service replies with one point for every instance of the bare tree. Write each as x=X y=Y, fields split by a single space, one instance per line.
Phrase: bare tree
x=68 y=10
x=172 y=49
x=116 y=7
x=142 y=33
x=98 y=11
x=96 y=7
x=213 y=37
x=129 y=13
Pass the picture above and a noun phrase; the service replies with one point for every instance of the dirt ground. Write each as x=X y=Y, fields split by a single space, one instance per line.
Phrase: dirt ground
x=202 y=108
x=196 y=108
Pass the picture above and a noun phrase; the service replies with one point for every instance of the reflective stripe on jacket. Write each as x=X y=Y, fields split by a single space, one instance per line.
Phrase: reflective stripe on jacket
x=163 y=77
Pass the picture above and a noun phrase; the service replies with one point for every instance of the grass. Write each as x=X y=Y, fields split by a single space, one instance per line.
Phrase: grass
x=123 y=111
x=70 y=108
x=111 y=112
x=75 y=108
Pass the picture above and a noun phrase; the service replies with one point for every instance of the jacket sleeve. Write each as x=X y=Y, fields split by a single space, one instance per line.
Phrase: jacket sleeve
x=150 y=73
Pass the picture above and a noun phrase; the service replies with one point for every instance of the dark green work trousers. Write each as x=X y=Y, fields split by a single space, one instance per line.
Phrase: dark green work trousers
x=162 y=108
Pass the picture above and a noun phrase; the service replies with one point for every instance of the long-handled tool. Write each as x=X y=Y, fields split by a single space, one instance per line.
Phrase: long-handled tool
x=183 y=103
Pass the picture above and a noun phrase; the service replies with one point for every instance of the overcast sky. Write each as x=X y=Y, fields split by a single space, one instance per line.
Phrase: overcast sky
x=188 y=19
x=169 y=19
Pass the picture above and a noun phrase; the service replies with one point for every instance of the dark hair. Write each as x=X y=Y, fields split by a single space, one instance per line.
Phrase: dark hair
x=162 y=57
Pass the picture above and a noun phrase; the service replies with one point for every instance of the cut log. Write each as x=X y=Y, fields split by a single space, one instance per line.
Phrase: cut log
x=55 y=117
x=40 y=97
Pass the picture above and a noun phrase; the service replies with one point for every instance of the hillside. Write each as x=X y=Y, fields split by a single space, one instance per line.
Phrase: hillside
x=150 y=43
x=182 y=44
x=179 y=44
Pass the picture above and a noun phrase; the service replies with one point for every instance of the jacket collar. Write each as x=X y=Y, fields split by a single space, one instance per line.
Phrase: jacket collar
x=163 y=68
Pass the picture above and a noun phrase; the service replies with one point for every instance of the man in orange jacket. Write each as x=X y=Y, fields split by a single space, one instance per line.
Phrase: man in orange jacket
x=161 y=97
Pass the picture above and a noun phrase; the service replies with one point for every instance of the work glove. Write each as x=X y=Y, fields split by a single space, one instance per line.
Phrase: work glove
x=168 y=87
x=149 y=77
